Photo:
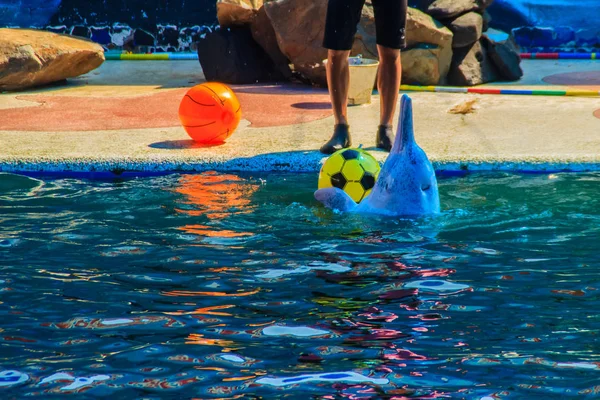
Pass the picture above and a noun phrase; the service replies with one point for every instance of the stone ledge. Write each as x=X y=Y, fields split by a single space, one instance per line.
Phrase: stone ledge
x=308 y=162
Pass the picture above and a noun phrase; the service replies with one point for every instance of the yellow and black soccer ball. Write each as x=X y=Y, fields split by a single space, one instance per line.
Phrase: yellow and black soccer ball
x=353 y=170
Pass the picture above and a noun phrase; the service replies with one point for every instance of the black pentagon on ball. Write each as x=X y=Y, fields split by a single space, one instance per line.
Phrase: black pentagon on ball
x=350 y=154
x=367 y=181
x=338 y=180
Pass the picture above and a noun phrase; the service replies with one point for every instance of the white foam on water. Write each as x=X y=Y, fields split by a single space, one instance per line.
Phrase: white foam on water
x=77 y=382
x=117 y=321
x=80 y=382
x=298 y=331
x=583 y=365
x=59 y=376
x=232 y=358
x=348 y=376
x=277 y=273
x=483 y=250
x=436 y=285
x=12 y=377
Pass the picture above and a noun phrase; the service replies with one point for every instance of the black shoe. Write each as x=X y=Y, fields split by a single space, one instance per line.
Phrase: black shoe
x=385 y=138
x=339 y=140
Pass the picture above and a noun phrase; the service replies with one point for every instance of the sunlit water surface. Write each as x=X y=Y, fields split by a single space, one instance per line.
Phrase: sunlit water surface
x=222 y=285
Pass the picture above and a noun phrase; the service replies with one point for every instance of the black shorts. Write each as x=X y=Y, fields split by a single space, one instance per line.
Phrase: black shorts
x=343 y=17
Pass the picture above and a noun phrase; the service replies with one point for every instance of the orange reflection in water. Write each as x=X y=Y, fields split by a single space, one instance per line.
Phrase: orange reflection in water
x=205 y=230
x=239 y=378
x=215 y=195
x=199 y=339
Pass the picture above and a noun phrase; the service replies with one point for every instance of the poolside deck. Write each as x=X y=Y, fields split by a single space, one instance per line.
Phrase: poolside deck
x=123 y=117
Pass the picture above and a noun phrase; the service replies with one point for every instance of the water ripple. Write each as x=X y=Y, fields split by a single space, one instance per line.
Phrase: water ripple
x=224 y=285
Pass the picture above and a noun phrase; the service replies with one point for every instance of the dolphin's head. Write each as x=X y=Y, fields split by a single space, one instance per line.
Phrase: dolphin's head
x=406 y=183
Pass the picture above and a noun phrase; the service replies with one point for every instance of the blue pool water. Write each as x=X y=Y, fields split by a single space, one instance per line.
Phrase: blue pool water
x=222 y=285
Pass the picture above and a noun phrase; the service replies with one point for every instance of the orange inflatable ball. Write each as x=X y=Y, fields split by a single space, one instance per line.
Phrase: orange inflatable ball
x=210 y=112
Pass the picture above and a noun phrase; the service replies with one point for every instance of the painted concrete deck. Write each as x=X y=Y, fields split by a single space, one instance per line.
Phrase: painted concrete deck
x=123 y=117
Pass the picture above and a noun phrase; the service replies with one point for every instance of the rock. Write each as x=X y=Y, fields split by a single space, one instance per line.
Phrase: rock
x=120 y=34
x=142 y=37
x=100 y=35
x=422 y=28
x=299 y=26
x=471 y=66
x=168 y=35
x=588 y=37
x=448 y=9
x=487 y=20
x=426 y=38
x=81 y=31
x=505 y=56
x=237 y=12
x=543 y=37
x=420 y=4
x=230 y=55
x=424 y=65
x=138 y=38
x=188 y=37
x=32 y=58
x=467 y=29
x=429 y=39
x=365 y=40
x=264 y=34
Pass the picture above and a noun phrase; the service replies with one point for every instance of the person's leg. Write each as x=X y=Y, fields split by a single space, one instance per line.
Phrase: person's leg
x=338 y=81
x=390 y=20
x=388 y=84
x=340 y=27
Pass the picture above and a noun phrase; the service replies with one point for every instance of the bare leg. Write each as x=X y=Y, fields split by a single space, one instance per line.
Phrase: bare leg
x=388 y=84
x=338 y=81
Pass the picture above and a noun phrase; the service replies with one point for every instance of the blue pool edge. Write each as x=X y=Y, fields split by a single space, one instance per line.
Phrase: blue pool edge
x=265 y=164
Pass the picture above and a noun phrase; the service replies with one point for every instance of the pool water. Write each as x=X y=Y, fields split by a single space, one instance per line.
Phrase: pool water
x=224 y=285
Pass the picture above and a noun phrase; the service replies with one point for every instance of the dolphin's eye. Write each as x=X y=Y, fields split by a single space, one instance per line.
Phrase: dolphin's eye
x=425 y=187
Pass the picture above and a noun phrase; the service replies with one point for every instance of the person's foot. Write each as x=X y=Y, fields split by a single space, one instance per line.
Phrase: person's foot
x=339 y=140
x=385 y=137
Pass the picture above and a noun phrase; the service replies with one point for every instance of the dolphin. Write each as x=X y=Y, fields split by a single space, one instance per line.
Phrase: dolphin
x=406 y=185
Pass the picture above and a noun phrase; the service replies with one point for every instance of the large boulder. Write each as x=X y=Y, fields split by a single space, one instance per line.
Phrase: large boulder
x=365 y=39
x=420 y=4
x=449 y=9
x=32 y=58
x=429 y=55
x=423 y=65
x=231 y=56
x=467 y=29
x=487 y=20
x=264 y=34
x=471 y=66
x=505 y=56
x=299 y=26
x=543 y=37
x=422 y=28
x=237 y=12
